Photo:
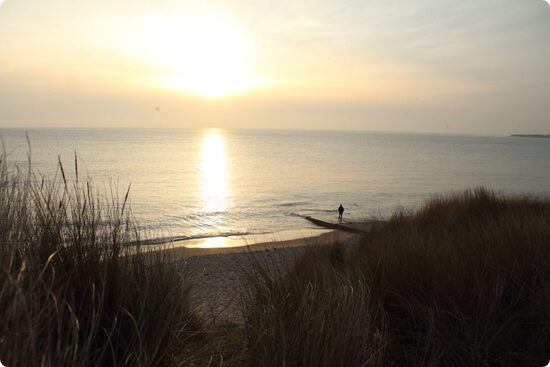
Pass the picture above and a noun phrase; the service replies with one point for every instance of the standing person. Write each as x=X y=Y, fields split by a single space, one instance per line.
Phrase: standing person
x=340 y=212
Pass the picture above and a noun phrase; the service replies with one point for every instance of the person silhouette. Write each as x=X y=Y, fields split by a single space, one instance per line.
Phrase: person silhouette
x=340 y=212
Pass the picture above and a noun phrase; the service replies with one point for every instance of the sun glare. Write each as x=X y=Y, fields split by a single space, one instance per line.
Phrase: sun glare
x=203 y=54
x=216 y=60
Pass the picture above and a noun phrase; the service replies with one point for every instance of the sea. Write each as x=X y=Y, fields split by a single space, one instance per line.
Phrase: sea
x=204 y=186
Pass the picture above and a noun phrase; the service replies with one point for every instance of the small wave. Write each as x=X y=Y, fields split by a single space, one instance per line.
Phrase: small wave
x=285 y=205
x=161 y=240
x=197 y=215
x=317 y=211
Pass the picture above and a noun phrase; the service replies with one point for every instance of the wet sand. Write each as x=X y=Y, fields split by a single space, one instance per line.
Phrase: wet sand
x=179 y=253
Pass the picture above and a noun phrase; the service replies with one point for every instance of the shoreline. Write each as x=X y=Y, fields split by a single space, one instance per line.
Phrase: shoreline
x=181 y=252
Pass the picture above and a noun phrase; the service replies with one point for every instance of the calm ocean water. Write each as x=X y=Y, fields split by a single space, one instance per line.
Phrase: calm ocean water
x=210 y=182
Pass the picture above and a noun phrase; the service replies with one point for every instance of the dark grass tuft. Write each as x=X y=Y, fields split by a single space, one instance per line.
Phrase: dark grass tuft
x=69 y=293
x=465 y=281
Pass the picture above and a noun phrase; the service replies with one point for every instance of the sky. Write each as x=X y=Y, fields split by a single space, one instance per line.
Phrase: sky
x=441 y=66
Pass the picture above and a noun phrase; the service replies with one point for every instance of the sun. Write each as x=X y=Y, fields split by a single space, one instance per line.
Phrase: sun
x=215 y=59
x=203 y=54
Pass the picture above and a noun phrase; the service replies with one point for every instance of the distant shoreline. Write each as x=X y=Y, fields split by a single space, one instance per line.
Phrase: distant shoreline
x=530 y=136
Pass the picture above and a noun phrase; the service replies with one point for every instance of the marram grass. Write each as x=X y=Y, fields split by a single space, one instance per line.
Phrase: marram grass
x=69 y=295
x=464 y=281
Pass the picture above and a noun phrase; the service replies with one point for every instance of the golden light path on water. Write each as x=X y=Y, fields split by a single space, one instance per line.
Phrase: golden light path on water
x=214 y=242
x=215 y=192
x=214 y=182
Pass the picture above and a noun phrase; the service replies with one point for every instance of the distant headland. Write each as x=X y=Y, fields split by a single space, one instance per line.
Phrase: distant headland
x=530 y=135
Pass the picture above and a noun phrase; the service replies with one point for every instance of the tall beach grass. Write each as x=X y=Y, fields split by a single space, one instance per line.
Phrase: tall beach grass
x=69 y=294
x=464 y=281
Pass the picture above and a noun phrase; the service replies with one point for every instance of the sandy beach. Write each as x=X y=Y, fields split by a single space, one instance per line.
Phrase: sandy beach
x=216 y=273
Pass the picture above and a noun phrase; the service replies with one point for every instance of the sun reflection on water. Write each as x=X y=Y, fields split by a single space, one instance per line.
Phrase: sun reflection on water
x=214 y=172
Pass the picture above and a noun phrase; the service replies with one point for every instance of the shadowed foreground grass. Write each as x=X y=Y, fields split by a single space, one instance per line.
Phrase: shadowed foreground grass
x=465 y=281
x=69 y=295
